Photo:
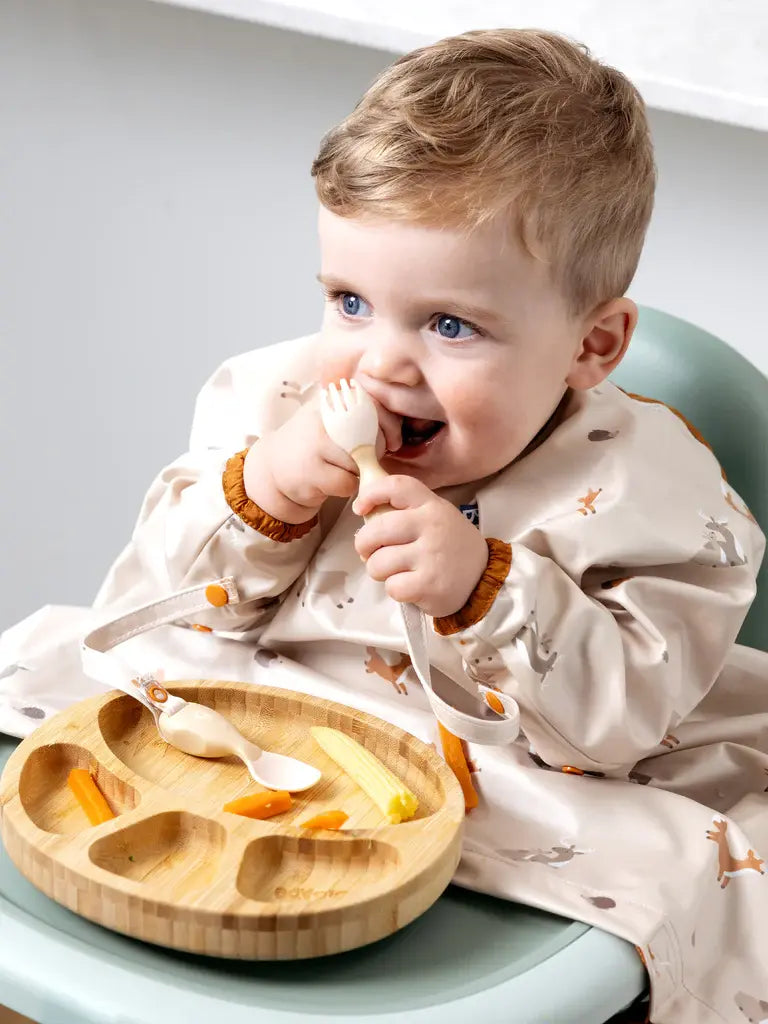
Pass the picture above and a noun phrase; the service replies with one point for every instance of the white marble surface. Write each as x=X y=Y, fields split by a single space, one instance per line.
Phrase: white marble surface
x=707 y=58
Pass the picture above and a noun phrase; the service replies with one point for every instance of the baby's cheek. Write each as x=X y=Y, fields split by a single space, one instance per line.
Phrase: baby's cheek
x=474 y=417
x=463 y=401
x=333 y=372
x=337 y=356
x=330 y=375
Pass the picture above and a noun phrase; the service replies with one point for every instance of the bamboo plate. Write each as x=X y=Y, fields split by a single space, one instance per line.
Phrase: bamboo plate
x=173 y=868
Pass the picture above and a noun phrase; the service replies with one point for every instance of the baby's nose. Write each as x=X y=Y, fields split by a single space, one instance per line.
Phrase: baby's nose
x=390 y=358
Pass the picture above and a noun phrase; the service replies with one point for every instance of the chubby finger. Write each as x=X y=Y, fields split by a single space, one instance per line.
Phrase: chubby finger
x=335 y=456
x=386 y=530
x=400 y=492
x=331 y=453
x=390 y=561
x=391 y=433
x=309 y=432
x=326 y=480
x=337 y=482
x=405 y=587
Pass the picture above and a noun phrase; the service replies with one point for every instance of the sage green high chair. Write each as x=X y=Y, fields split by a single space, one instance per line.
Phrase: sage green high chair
x=470 y=957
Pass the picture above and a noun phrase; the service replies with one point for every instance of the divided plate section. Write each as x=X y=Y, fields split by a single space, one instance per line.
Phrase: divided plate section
x=129 y=731
x=50 y=803
x=303 y=870
x=174 y=853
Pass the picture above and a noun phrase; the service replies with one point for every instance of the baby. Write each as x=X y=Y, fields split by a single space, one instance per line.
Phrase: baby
x=482 y=213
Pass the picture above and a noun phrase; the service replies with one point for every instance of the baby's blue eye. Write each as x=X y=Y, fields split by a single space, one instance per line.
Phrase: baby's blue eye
x=451 y=327
x=353 y=305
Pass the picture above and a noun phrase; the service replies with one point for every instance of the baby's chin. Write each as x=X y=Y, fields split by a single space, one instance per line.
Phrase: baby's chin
x=441 y=474
x=436 y=478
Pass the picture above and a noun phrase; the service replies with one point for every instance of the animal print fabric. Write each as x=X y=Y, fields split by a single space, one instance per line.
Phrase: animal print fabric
x=634 y=798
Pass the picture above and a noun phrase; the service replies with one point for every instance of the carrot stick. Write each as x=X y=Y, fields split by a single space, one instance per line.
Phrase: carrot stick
x=261 y=805
x=457 y=762
x=89 y=796
x=493 y=702
x=328 y=819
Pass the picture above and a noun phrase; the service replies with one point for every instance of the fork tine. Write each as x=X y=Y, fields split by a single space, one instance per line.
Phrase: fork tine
x=333 y=398
x=348 y=393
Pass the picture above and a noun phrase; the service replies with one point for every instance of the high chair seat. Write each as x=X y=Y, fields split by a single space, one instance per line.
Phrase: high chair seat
x=470 y=957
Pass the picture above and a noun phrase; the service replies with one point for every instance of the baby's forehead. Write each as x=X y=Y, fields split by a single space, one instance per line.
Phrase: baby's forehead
x=496 y=238
x=486 y=264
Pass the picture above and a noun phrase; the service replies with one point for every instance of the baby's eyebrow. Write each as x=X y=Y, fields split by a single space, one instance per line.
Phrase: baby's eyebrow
x=464 y=311
x=334 y=283
x=469 y=312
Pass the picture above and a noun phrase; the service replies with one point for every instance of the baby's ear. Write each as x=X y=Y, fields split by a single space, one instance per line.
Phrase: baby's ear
x=607 y=332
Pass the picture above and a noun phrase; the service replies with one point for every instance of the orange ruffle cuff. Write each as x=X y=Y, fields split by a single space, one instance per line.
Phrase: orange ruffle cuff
x=249 y=511
x=484 y=594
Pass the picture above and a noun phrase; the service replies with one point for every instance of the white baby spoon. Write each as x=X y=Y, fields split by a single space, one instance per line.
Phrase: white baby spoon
x=199 y=730
x=190 y=727
x=203 y=732
x=195 y=728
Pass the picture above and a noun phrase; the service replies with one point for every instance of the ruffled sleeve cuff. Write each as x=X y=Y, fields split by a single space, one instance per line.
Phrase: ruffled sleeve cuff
x=484 y=594
x=249 y=511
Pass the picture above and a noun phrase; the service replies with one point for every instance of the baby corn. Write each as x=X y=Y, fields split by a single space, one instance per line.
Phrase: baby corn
x=396 y=801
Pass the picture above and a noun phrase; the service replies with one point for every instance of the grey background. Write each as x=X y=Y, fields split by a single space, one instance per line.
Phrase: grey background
x=157 y=215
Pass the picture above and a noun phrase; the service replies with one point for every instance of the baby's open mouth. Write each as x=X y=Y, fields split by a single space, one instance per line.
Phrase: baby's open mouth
x=407 y=436
x=417 y=434
x=415 y=431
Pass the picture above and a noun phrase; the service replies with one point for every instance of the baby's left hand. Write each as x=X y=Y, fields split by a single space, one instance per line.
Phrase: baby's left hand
x=424 y=550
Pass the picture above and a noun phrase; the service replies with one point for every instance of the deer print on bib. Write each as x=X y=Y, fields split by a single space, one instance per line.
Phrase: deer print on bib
x=301 y=393
x=390 y=665
x=728 y=865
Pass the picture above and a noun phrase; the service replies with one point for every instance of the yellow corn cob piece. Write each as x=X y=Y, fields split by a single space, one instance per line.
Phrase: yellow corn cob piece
x=396 y=801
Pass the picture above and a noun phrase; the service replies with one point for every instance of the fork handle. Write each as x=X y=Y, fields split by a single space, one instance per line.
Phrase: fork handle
x=370 y=470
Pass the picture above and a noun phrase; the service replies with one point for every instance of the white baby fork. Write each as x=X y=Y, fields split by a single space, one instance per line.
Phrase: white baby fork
x=351 y=421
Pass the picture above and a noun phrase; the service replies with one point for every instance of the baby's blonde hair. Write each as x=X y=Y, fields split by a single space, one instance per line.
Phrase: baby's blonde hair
x=519 y=121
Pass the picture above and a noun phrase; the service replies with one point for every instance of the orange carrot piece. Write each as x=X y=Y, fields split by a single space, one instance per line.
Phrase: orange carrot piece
x=261 y=805
x=328 y=819
x=457 y=762
x=493 y=702
x=89 y=796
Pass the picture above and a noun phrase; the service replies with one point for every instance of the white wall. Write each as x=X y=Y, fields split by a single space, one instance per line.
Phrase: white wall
x=157 y=215
x=706 y=255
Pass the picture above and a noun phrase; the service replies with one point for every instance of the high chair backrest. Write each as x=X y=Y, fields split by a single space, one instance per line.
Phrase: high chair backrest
x=726 y=398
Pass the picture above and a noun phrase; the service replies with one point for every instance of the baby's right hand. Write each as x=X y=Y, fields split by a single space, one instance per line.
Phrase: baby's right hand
x=290 y=472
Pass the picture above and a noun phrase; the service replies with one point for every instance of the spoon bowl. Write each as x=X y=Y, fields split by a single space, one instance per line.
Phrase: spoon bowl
x=278 y=771
x=203 y=732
